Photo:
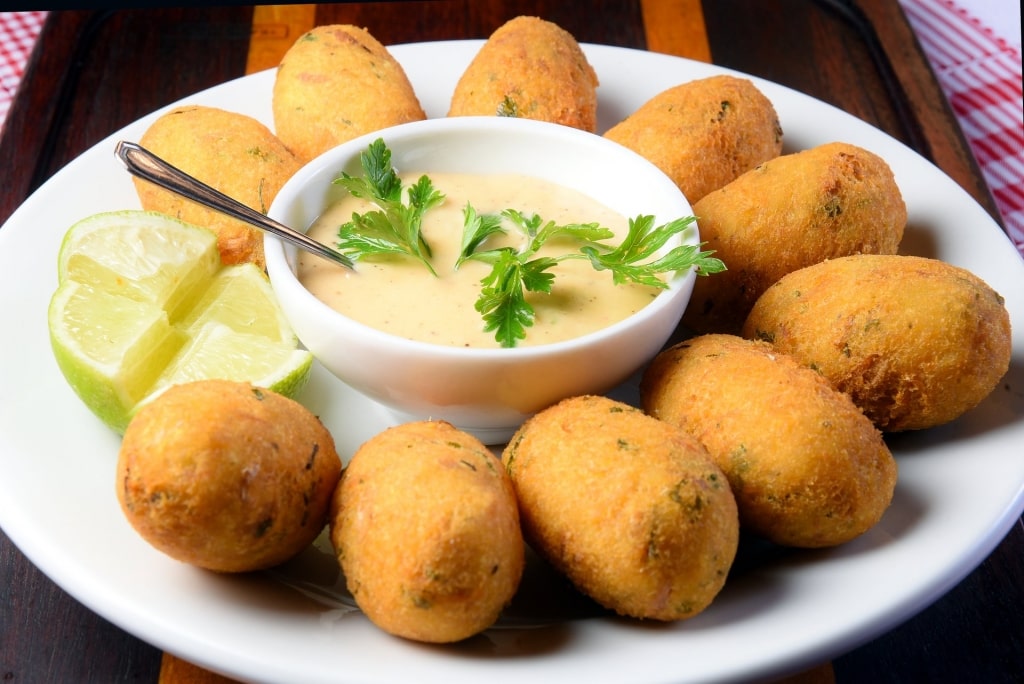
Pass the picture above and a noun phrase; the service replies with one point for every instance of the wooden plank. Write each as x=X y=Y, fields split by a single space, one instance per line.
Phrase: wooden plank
x=676 y=27
x=275 y=28
x=174 y=670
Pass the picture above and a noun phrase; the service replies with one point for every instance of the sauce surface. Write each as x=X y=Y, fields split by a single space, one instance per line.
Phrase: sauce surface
x=400 y=296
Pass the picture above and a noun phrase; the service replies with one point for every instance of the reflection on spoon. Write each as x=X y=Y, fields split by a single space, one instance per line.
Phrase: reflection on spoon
x=146 y=165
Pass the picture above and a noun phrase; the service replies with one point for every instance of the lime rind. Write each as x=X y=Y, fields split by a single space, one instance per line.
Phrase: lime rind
x=140 y=306
x=291 y=377
x=288 y=380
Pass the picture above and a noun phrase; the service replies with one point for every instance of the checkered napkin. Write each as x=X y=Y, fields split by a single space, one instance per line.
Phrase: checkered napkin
x=18 y=33
x=974 y=47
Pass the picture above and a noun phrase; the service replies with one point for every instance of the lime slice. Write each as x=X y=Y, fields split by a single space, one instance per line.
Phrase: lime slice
x=141 y=306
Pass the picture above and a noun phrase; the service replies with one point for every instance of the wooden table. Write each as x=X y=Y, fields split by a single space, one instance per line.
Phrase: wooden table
x=100 y=70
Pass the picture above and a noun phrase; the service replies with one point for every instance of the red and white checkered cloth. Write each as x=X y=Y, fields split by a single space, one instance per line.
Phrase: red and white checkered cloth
x=18 y=33
x=974 y=46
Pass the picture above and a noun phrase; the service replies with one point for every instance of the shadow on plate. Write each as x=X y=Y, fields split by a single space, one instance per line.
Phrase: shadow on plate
x=538 y=618
x=919 y=241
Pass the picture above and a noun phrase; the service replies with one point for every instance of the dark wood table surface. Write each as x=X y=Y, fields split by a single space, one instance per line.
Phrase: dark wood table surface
x=99 y=70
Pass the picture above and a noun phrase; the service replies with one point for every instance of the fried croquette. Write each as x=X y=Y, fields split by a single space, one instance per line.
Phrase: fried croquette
x=631 y=509
x=533 y=69
x=226 y=476
x=793 y=211
x=787 y=213
x=426 y=529
x=806 y=467
x=232 y=153
x=916 y=342
x=703 y=133
x=335 y=83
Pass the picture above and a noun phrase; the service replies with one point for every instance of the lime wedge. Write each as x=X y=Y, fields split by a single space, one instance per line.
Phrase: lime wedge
x=241 y=298
x=143 y=255
x=144 y=303
x=110 y=348
x=217 y=351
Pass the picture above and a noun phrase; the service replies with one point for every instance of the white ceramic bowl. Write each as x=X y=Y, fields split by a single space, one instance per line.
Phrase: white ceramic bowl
x=487 y=392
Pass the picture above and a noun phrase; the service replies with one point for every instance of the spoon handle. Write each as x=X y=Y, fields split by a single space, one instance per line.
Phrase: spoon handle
x=146 y=165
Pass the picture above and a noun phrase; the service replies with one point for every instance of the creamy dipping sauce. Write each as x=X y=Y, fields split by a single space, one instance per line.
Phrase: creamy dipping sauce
x=400 y=296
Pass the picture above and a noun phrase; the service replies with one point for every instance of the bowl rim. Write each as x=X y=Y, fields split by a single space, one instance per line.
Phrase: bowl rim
x=280 y=256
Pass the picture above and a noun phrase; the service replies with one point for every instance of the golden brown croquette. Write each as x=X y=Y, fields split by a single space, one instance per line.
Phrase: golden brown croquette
x=806 y=467
x=426 y=529
x=703 y=133
x=532 y=69
x=631 y=509
x=335 y=83
x=226 y=476
x=915 y=342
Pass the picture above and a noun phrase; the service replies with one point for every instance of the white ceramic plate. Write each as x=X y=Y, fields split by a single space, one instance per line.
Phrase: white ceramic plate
x=960 y=486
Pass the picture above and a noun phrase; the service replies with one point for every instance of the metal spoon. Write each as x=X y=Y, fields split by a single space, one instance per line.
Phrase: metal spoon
x=146 y=165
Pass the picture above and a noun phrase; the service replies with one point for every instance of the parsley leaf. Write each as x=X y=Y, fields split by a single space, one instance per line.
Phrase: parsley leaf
x=540 y=233
x=641 y=242
x=395 y=227
x=476 y=229
x=502 y=300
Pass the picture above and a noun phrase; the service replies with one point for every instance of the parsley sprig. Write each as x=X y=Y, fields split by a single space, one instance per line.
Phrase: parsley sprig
x=395 y=228
x=514 y=272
